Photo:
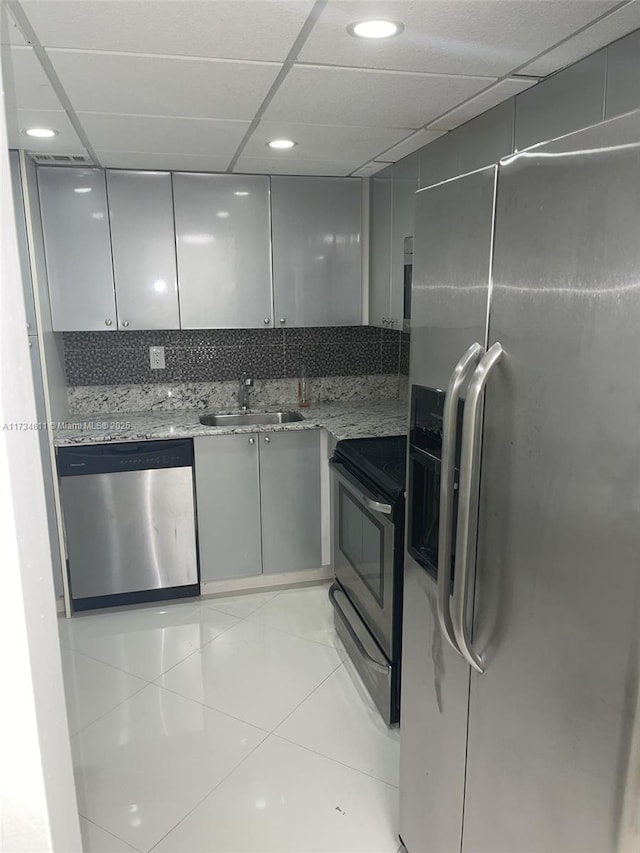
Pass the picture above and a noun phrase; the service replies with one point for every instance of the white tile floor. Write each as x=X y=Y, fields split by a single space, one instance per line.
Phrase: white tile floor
x=224 y=725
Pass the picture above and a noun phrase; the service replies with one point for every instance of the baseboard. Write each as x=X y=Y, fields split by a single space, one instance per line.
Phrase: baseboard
x=262 y=583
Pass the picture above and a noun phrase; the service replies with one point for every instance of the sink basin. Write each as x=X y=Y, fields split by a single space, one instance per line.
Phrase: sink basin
x=251 y=419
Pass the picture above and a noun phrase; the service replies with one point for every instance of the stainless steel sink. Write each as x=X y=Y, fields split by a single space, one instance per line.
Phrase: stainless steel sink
x=251 y=419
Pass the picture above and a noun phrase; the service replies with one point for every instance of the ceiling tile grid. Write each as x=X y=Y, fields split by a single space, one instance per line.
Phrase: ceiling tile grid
x=204 y=84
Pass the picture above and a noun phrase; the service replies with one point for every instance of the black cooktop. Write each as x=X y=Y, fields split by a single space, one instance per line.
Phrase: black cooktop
x=381 y=460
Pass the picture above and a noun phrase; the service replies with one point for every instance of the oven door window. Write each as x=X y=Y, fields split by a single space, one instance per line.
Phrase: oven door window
x=361 y=541
x=424 y=509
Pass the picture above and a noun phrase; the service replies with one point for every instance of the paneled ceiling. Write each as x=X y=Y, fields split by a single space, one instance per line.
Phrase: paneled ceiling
x=204 y=84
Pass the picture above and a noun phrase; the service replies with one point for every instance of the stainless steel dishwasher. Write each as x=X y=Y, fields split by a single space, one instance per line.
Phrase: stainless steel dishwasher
x=129 y=518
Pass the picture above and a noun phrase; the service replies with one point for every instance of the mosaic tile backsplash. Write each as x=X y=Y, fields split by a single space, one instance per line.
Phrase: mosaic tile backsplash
x=216 y=355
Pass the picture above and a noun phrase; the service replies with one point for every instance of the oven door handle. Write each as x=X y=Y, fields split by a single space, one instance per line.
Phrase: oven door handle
x=368 y=498
x=458 y=380
x=383 y=668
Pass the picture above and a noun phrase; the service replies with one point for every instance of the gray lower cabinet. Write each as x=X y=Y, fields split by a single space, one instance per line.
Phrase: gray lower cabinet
x=228 y=506
x=290 y=493
x=258 y=503
x=317 y=263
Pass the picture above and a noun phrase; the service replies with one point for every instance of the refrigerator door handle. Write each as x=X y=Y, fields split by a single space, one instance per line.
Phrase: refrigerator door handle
x=458 y=380
x=467 y=531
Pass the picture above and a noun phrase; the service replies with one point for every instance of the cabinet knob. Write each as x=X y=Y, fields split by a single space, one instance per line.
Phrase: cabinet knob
x=30 y=344
x=267 y=320
x=267 y=440
x=252 y=441
x=125 y=323
x=282 y=321
x=107 y=322
x=28 y=325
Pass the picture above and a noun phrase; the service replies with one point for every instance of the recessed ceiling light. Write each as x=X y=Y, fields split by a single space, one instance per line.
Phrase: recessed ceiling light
x=40 y=132
x=281 y=144
x=82 y=190
x=375 y=29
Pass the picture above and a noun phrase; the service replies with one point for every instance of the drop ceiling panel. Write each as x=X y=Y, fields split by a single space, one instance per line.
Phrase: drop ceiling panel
x=409 y=145
x=163 y=86
x=66 y=142
x=350 y=96
x=267 y=166
x=216 y=28
x=165 y=162
x=490 y=37
x=481 y=103
x=614 y=26
x=199 y=137
x=317 y=142
x=27 y=81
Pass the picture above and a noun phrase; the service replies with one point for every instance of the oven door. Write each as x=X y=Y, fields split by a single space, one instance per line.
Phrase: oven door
x=363 y=548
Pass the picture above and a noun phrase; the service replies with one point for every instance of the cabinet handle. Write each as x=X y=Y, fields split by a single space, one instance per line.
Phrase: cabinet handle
x=267 y=440
x=28 y=325
x=252 y=441
x=384 y=321
x=107 y=322
x=267 y=320
x=125 y=323
x=30 y=344
x=282 y=321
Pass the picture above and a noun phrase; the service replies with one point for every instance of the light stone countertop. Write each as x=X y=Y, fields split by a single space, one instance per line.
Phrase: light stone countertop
x=362 y=419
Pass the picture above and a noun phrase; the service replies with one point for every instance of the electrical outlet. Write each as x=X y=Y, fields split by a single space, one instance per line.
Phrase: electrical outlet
x=156 y=358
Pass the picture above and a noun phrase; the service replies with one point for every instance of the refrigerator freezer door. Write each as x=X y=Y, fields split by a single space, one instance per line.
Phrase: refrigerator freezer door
x=552 y=755
x=452 y=253
x=451 y=259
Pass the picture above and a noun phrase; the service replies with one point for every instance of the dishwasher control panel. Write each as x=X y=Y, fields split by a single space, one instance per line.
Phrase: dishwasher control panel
x=127 y=456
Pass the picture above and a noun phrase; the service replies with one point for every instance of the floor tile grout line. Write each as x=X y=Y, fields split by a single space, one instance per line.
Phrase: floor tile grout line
x=331 y=758
x=110 y=665
x=112 y=834
x=97 y=719
x=215 y=787
x=308 y=696
x=299 y=637
x=211 y=708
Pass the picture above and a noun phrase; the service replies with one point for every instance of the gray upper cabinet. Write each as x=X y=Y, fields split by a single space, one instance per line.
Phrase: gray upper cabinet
x=623 y=76
x=224 y=250
x=380 y=199
x=77 y=243
x=392 y=206
x=228 y=498
x=487 y=138
x=290 y=498
x=317 y=264
x=143 y=247
x=567 y=101
x=405 y=186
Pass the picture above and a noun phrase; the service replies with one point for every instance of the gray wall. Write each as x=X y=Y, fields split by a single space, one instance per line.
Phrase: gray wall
x=603 y=85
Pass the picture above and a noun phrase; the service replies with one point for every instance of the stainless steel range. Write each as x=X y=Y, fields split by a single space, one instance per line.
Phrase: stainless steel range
x=368 y=477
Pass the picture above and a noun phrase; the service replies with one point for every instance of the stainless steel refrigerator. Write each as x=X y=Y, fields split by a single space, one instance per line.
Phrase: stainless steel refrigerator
x=521 y=656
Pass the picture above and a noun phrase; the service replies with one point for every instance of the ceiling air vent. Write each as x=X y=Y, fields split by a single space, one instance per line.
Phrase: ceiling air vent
x=61 y=159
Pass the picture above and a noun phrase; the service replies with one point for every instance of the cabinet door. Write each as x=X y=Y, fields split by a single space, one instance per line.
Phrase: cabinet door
x=77 y=244
x=228 y=505
x=290 y=492
x=223 y=235
x=317 y=264
x=380 y=250
x=143 y=247
x=405 y=186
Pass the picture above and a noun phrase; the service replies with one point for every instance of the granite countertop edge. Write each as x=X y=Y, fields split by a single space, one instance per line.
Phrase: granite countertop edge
x=358 y=419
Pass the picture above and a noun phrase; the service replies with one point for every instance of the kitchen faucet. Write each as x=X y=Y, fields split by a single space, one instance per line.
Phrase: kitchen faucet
x=246 y=385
